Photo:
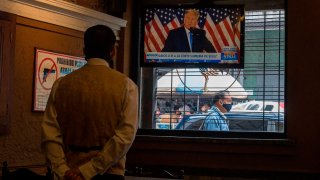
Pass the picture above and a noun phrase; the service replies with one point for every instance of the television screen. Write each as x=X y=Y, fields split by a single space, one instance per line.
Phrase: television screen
x=188 y=36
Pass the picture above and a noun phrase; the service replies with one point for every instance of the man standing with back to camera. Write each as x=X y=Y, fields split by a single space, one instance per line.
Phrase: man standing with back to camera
x=188 y=38
x=91 y=116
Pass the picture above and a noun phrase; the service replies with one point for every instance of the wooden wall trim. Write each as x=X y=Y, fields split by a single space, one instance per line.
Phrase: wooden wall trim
x=61 y=13
x=48 y=27
x=274 y=147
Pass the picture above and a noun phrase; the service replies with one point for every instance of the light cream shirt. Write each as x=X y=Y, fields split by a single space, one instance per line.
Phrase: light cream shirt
x=114 y=149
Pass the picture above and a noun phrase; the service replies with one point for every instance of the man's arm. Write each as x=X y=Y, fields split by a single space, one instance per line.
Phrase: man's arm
x=52 y=143
x=119 y=144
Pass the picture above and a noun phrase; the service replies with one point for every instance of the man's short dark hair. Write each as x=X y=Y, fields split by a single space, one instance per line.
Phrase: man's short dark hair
x=219 y=95
x=99 y=41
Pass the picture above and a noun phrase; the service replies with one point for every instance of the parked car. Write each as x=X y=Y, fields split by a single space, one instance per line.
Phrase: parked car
x=256 y=121
x=191 y=122
x=238 y=121
x=259 y=106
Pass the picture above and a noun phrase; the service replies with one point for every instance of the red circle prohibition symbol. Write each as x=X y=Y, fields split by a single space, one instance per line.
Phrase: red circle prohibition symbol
x=44 y=78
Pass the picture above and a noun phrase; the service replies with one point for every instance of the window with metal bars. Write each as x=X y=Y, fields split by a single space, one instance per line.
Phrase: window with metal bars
x=181 y=95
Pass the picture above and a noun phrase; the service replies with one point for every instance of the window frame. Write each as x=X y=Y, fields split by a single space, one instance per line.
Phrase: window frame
x=151 y=131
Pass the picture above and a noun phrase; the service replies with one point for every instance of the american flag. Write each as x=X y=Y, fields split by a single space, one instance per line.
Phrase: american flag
x=158 y=24
x=222 y=26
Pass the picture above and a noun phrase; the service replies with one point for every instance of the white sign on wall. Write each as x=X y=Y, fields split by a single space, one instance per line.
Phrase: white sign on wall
x=49 y=66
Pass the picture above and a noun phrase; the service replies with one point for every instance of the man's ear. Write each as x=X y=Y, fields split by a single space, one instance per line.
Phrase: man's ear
x=113 y=52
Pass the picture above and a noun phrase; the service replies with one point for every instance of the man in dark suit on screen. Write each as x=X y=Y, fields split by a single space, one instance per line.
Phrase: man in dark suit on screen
x=188 y=38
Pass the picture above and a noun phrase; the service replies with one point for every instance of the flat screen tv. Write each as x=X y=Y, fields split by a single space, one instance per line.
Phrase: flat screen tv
x=192 y=36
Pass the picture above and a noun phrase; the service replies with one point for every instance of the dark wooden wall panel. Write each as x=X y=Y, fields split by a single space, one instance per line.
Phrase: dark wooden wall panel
x=7 y=42
x=22 y=146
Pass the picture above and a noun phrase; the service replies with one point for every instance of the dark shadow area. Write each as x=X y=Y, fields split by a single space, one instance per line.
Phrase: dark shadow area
x=22 y=173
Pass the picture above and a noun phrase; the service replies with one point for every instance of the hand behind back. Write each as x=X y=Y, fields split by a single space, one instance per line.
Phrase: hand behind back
x=73 y=174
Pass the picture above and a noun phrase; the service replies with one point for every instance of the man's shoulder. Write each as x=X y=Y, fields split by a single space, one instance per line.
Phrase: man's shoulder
x=214 y=110
x=113 y=74
x=123 y=77
x=199 y=31
x=215 y=113
x=177 y=30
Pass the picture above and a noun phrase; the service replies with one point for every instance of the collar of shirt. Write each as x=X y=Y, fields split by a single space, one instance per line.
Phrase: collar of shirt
x=187 y=31
x=97 y=61
x=215 y=109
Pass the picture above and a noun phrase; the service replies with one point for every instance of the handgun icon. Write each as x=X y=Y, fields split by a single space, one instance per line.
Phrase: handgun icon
x=46 y=72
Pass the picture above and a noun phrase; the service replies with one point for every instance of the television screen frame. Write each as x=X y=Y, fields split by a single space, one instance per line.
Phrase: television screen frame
x=194 y=59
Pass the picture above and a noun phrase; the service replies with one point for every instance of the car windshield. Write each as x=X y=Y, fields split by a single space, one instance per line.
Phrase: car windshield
x=246 y=116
